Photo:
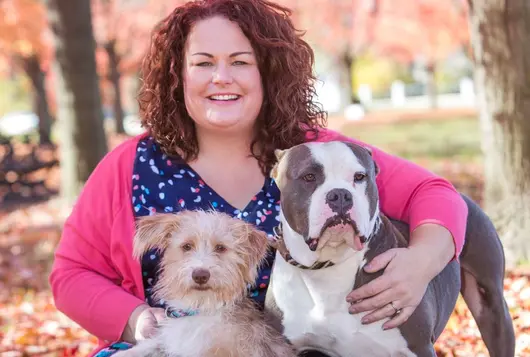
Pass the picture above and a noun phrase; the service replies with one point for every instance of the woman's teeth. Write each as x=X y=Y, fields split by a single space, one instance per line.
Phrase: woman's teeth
x=224 y=97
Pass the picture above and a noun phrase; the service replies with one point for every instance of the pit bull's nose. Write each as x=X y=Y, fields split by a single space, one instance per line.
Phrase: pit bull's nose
x=339 y=200
x=200 y=276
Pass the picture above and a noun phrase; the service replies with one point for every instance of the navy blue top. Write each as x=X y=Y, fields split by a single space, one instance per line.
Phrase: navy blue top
x=161 y=184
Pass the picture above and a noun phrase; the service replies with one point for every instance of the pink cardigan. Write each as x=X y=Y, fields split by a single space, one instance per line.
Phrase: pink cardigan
x=96 y=282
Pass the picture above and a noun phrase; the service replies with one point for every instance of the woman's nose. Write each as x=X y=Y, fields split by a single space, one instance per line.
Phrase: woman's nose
x=222 y=75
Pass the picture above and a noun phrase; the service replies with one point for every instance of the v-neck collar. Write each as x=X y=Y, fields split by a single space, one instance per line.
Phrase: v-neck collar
x=248 y=207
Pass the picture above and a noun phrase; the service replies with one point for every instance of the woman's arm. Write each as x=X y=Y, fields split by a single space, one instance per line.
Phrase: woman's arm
x=414 y=195
x=84 y=279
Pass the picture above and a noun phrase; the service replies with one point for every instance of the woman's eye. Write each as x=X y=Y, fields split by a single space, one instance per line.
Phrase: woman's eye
x=219 y=248
x=309 y=177
x=239 y=63
x=203 y=64
x=187 y=247
x=359 y=176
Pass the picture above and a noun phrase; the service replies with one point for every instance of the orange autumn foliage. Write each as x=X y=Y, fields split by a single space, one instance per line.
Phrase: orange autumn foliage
x=24 y=31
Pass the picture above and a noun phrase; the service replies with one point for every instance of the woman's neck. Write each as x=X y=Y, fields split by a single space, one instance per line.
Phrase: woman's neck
x=224 y=147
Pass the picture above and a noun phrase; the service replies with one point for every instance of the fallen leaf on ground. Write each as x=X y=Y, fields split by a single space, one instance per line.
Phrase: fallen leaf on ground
x=32 y=326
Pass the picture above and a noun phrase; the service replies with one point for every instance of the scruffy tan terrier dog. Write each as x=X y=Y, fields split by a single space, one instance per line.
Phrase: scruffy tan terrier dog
x=208 y=261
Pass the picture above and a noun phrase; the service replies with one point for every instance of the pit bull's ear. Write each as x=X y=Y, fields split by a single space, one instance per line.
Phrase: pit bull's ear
x=369 y=149
x=279 y=154
x=153 y=232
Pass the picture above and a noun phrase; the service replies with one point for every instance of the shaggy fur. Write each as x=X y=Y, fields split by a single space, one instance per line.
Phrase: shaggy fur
x=228 y=251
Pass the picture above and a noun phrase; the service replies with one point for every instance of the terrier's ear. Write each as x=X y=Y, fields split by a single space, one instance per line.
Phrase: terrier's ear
x=253 y=245
x=154 y=232
x=259 y=242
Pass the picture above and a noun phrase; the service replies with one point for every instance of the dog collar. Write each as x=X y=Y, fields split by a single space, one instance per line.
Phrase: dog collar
x=284 y=252
x=176 y=313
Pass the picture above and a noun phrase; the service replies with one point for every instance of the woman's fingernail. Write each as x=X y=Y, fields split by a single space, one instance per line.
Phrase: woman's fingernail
x=365 y=321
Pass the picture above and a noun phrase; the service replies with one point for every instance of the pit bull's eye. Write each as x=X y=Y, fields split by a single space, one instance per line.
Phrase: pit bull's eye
x=359 y=176
x=309 y=177
x=219 y=248
x=186 y=247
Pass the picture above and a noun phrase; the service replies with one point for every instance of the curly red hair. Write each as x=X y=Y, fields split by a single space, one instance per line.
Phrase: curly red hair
x=285 y=62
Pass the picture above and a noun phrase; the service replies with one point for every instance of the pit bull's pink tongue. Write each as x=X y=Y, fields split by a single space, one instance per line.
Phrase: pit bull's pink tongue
x=313 y=243
x=357 y=244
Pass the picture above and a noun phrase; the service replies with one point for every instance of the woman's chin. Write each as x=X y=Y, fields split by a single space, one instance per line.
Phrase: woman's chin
x=224 y=123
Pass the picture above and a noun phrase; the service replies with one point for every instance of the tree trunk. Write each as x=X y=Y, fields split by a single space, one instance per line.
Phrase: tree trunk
x=115 y=78
x=80 y=115
x=432 y=91
x=346 y=72
x=34 y=72
x=500 y=33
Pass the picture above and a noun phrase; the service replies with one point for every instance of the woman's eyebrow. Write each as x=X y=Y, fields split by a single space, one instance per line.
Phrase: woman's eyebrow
x=240 y=53
x=231 y=55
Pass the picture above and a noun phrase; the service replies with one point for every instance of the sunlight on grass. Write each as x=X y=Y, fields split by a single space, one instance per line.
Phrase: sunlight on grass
x=448 y=147
x=457 y=138
x=14 y=96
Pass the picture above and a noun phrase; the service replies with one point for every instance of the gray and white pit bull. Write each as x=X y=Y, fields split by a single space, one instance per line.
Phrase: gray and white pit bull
x=332 y=226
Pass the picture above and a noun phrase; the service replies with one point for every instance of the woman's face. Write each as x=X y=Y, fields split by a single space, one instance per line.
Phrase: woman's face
x=222 y=83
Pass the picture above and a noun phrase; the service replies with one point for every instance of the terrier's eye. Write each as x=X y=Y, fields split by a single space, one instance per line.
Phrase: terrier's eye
x=309 y=178
x=359 y=176
x=187 y=247
x=219 y=248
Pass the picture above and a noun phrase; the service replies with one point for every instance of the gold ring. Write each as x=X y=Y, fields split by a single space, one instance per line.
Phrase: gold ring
x=397 y=311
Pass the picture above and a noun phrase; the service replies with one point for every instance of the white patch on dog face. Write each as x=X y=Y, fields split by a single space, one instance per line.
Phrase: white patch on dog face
x=208 y=257
x=297 y=246
x=340 y=166
x=325 y=187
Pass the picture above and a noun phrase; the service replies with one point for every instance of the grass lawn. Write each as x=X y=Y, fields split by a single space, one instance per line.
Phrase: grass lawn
x=14 y=96
x=454 y=138
x=450 y=147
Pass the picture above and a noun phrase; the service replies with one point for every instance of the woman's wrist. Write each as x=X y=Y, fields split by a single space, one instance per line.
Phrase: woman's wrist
x=434 y=246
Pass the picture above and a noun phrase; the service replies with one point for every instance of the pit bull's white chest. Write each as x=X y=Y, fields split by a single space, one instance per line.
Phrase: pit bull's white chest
x=315 y=313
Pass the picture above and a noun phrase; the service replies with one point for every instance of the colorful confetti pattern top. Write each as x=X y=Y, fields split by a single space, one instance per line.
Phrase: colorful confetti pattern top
x=164 y=185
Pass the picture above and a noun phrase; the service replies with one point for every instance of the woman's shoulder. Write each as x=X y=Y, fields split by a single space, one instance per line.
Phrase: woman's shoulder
x=326 y=134
x=125 y=149
x=115 y=168
x=121 y=157
x=110 y=181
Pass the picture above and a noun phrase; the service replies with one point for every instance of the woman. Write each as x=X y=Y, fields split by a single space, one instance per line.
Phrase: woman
x=225 y=83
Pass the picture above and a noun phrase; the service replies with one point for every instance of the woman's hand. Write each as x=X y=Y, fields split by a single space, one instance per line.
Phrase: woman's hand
x=143 y=323
x=408 y=271
x=148 y=322
x=396 y=293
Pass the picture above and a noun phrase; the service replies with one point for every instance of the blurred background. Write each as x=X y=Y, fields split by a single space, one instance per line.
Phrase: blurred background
x=438 y=82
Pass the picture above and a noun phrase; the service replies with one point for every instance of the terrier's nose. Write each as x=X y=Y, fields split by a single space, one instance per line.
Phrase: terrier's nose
x=200 y=276
x=339 y=200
